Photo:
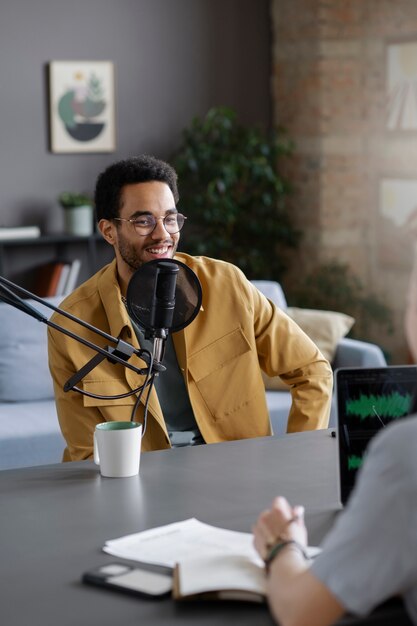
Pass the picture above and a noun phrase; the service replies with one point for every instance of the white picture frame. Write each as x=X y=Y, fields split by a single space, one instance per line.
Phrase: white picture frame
x=401 y=86
x=82 y=107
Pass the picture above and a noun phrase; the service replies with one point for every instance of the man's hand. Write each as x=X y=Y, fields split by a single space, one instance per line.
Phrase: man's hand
x=281 y=522
x=295 y=595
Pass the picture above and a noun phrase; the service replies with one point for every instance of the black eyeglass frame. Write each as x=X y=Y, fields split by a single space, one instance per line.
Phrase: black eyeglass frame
x=132 y=221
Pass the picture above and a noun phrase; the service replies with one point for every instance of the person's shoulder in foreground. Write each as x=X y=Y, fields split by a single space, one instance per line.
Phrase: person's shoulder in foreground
x=370 y=554
x=376 y=536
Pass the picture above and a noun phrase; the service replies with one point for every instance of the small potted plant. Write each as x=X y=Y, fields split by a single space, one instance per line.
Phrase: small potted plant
x=78 y=213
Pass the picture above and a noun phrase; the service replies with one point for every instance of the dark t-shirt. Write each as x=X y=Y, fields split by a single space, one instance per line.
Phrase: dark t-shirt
x=173 y=397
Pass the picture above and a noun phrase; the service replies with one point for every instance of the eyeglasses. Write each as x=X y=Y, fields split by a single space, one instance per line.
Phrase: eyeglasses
x=146 y=224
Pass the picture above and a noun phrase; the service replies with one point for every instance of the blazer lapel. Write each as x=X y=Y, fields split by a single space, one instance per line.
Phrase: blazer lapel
x=120 y=326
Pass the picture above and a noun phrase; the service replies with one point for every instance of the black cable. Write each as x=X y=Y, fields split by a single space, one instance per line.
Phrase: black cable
x=148 y=381
x=117 y=397
x=145 y=412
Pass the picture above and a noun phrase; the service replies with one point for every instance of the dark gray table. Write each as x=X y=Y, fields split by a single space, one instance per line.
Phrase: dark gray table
x=55 y=519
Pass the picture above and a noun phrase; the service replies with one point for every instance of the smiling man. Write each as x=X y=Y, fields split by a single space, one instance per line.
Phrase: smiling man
x=212 y=389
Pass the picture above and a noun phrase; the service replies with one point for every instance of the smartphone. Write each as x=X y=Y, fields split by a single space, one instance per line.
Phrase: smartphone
x=130 y=579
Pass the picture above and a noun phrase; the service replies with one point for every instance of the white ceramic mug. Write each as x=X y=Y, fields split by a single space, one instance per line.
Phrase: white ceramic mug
x=117 y=448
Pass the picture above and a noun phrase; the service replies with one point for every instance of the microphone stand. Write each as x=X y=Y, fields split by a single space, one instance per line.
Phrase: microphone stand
x=121 y=353
x=159 y=338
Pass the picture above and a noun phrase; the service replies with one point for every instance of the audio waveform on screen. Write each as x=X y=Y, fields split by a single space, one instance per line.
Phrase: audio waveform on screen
x=391 y=406
x=354 y=462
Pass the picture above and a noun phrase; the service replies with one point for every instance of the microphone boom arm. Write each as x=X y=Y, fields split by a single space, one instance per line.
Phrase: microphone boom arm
x=119 y=354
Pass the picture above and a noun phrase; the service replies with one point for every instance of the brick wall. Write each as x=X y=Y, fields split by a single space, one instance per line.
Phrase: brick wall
x=330 y=83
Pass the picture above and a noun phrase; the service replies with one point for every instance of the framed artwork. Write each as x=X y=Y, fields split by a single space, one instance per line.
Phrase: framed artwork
x=401 y=86
x=81 y=106
x=397 y=223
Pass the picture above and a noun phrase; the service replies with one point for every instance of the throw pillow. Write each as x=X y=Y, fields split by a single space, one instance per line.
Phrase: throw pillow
x=325 y=328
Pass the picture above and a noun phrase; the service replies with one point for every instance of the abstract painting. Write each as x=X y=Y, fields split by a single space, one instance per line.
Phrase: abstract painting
x=82 y=117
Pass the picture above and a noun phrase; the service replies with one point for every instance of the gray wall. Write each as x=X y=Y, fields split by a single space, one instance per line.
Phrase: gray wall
x=173 y=59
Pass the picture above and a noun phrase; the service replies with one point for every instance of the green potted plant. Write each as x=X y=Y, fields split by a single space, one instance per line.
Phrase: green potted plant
x=78 y=213
x=233 y=193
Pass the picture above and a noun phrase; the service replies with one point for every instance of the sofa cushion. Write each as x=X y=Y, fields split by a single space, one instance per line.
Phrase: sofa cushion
x=273 y=291
x=24 y=371
x=29 y=434
x=325 y=328
x=279 y=405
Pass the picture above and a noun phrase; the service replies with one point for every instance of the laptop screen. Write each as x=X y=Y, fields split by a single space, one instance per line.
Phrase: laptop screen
x=368 y=399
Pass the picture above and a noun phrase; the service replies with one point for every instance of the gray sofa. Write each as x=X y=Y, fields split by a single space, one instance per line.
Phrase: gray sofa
x=349 y=353
x=29 y=430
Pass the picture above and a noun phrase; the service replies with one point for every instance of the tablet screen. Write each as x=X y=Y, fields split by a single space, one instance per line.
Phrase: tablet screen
x=368 y=399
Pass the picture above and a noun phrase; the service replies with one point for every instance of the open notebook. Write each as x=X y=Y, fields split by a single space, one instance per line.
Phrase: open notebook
x=368 y=399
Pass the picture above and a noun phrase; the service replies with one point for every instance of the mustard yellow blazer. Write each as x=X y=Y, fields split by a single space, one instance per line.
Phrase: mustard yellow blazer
x=236 y=333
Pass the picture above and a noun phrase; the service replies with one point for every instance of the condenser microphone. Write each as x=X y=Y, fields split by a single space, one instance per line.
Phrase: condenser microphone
x=163 y=301
x=163 y=296
x=163 y=305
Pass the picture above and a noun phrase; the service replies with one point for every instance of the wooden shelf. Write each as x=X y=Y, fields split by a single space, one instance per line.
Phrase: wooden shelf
x=19 y=256
x=50 y=239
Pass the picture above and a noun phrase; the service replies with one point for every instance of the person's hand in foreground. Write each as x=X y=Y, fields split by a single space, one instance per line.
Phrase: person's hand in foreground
x=280 y=523
x=295 y=596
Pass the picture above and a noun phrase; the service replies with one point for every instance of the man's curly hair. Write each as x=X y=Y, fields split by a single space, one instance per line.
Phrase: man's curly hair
x=137 y=169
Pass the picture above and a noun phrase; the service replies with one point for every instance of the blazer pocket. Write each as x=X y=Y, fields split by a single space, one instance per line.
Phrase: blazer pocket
x=220 y=372
x=217 y=354
x=107 y=388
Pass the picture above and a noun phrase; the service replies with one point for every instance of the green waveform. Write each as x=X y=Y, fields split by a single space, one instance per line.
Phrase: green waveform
x=391 y=406
x=354 y=462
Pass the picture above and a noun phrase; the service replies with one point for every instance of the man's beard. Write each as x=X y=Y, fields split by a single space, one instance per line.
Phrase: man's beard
x=129 y=255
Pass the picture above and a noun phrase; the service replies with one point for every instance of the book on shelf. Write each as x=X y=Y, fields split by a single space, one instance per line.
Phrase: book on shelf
x=49 y=278
x=62 y=280
x=56 y=278
x=71 y=281
x=19 y=232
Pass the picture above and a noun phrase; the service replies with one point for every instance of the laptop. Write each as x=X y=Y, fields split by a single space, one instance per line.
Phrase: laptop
x=368 y=399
